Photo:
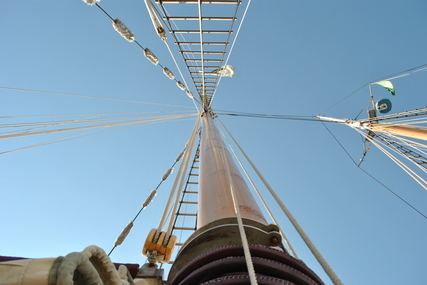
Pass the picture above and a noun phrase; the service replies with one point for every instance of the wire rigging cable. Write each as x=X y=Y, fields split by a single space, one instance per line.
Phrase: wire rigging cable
x=147 y=201
x=266 y=116
x=388 y=189
x=156 y=19
x=128 y=35
x=410 y=71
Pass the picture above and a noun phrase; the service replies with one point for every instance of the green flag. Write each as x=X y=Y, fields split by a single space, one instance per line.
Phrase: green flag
x=387 y=85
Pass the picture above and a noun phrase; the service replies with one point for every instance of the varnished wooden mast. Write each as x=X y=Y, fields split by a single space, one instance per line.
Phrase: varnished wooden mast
x=215 y=200
x=416 y=132
x=226 y=249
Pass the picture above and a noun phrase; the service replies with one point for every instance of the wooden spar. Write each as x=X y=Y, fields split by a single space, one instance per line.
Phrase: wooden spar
x=215 y=200
x=416 y=132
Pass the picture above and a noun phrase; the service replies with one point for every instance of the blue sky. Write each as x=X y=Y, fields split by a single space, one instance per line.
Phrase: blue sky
x=291 y=58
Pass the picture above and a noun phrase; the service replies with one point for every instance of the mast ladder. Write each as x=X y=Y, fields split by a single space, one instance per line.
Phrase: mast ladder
x=417 y=158
x=186 y=215
x=202 y=40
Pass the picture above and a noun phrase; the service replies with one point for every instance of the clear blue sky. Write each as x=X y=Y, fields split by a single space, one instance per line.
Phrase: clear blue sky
x=291 y=58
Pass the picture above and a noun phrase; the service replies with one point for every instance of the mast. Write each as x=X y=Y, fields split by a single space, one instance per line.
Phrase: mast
x=219 y=250
x=417 y=132
x=215 y=200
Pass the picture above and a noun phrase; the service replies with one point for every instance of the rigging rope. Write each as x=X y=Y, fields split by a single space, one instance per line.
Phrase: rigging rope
x=147 y=201
x=403 y=73
x=181 y=177
x=243 y=237
x=258 y=193
x=408 y=170
x=388 y=189
x=346 y=97
x=329 y=271
x=180 y=171
x=72 y=137
x=232 y=45
x=265 y=116
x=419 y=148
x=156 y=19
x=390 y=77
x=127 y=34
x=166 y=14
x=91 y=127
x=93 y=97
x=199 y=8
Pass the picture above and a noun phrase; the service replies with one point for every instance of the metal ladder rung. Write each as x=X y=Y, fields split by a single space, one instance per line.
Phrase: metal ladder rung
x=205 y=43
x=203 y=31
x=205 y=52
x=184 y=228
x=187 y=214
x=203 y=18
x=188 y=202
x=199 y=66
x=197 y=1
x=199 y=59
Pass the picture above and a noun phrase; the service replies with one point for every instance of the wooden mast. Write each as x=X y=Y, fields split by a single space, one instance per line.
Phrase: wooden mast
x=215 y=200
x=217 y=251
x=417 y=132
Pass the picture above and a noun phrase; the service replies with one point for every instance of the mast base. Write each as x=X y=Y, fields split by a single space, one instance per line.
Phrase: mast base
x=221 y=233
x=227 y=265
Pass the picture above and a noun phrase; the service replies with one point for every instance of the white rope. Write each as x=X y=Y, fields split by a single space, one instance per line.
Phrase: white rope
x=287 y=242
x=164 y=39
x=402 y=165
x=180 y=170
x=73 y=137
x=422 y=148
x=405 y=74
x=39 y=125
x=155 y=19
x=421 y=119
x=180 y=72
x=92 y=97
x=91 y=114
x=404 y=142
x=90 y=127
x=393 y=158
x=199 y=7
x=329 y=271
x=43 y=124
x=188 y=47
x=419 y=147
x=248 y=258
x=232 y=46
x=184 y=164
